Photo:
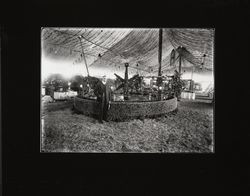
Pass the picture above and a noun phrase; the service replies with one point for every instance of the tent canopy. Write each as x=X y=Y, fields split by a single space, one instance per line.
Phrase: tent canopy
x=109 y=48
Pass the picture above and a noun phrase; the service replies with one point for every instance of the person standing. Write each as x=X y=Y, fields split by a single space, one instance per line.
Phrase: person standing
x=103 y=94
x=106 y=102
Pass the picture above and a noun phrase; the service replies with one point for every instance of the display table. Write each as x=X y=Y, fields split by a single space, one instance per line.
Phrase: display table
x=188 y=95
x=64 y=95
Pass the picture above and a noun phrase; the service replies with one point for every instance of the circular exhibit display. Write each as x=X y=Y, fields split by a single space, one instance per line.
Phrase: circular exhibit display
x=122 y=110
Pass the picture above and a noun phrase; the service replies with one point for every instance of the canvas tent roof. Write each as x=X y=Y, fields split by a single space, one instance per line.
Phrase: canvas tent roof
x=110 y=48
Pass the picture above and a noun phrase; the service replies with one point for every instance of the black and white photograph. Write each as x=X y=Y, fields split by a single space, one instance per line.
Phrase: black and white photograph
x=124 y=98
x=127 y=90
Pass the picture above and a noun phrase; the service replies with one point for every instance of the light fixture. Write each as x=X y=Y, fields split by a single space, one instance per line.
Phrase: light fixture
x=81 y=86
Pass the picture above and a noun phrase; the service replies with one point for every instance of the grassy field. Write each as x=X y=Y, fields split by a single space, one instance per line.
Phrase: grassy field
x=187 y=130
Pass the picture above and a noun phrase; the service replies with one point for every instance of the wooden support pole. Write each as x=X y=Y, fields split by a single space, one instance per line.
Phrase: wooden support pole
x=179 y=63
x=84 y=57
x=126 y=82
x=160 y=52
x=159 y=79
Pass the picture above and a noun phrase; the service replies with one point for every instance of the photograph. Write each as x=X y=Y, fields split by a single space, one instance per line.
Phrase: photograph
x=127 y=90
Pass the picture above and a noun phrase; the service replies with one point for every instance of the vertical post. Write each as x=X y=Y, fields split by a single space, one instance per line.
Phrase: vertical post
x=192 y=84
x=159 y=79
x=179 y=63
x=126 y=82
x=160 y=52
x=84 y=56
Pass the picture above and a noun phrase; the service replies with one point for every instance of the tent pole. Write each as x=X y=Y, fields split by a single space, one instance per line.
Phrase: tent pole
x=159 y=79
x=84 y=57
x=180 y=63
x=160 y=51
x=126 y=82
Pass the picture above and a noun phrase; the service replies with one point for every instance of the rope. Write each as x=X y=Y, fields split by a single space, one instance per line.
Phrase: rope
x=81 y=36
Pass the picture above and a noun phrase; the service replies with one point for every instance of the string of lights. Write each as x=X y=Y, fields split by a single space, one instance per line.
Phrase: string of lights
x=88 y=40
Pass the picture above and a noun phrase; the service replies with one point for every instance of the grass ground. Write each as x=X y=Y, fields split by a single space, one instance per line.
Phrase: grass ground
x=187 y=130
